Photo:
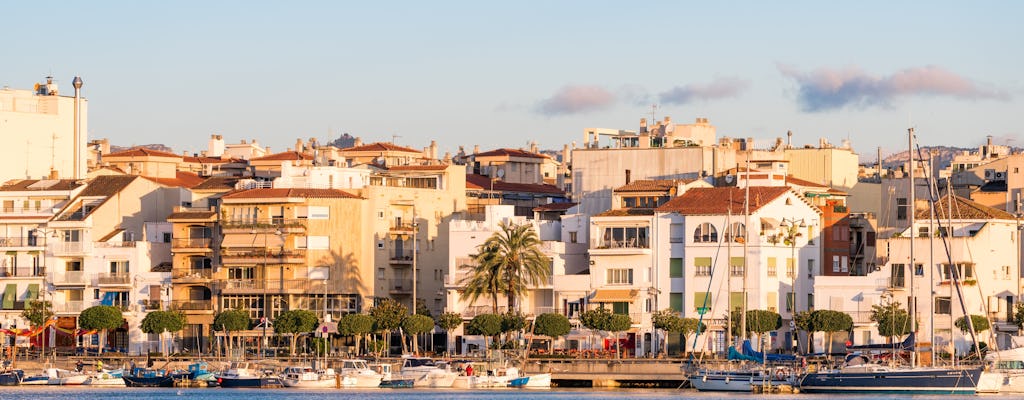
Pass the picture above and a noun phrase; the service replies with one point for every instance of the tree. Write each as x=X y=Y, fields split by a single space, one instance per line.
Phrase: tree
x=979 y=321
x=231 y=321
x=691 y=325
x=617 y=324
x=802 y=320
x=358 y=325
x=668 y=321
x=830 y=321
x=416 y=325
x=1018 y=315
x=514 y=254
x=449 y=321
x=484 y=324
x=295 y=322
x=37 y=313
x=760 y=321
x=551 y=325
x=601 y=319
x=158 y=322
x=512 y=321
x=893 y=321
x=421 y=308
x=387 y=316
x=483 y=277
x=103 y=318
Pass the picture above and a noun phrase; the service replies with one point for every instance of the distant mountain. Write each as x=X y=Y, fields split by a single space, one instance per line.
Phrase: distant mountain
x=943 y=155
x=156 y=146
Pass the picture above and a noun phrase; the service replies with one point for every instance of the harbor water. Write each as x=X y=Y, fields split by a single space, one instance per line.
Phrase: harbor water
x=86 y=393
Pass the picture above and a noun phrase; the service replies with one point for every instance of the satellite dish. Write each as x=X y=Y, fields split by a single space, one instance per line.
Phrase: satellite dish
x=500 y=173
x=728 y=178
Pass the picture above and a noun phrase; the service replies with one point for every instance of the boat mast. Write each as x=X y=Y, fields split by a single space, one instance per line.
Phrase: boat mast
x=728 y=276
x=912 y=208
x=746 y=222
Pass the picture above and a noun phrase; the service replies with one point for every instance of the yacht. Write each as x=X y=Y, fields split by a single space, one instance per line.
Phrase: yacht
x=358 y=374
x=307 y=377
x=65 y=377
x=425 y=372
x=242 y=374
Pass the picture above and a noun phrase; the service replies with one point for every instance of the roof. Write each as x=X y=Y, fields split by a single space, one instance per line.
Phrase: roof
x=381 y=146
x=279 y=193
x=107 y=185
x=183 y=179
x=510 y=153
x=994 y=186
x=191 y=215
x=284 y=156
x=554 y=207
x=626 y=212
x=142 y=152
x=791 y=180
x=962 y=209
x=651 y=185
x=209 y=160
x=40 y=185
x=217 y=183
x=721 y=200
x=483 y=182
x=435 y=167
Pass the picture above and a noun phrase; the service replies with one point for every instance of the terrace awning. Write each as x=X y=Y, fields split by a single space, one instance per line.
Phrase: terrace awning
x=613 y=295
x=10 y=293
x=33 y=291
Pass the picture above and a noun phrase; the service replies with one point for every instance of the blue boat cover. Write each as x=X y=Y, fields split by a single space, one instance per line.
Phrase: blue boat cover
x=749 y=351
x=736 y=355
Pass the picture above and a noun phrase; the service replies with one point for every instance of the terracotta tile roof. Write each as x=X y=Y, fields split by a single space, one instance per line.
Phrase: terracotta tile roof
x=381 y=146
x=792 y=180
x=651 y=185
x=183 y=179
x=191 y=215
x=208 y=160
x=279 y=193
x=510 y=153
x=142 y=152
x=40 y=185
x=418 y=168
x=111 y=235
x=107 y=185
x=474 y=181
x=217 y=183
x=285 y=156
x=962 y=209
x=716 y=201
x=626 y=212
x=554 y=207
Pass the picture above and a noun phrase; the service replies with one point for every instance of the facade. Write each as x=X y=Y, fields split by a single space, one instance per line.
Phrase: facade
x=39 y=131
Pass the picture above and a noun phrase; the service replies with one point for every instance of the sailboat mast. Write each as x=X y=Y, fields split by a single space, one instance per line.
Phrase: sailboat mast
x=728 y=276
x=912 y=208
x=746 y=222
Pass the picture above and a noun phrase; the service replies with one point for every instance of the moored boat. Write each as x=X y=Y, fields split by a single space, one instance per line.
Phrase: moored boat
x=107 y=378
x=358 y=374
x=142 y=377
x=11 y=377
x=242 y=374
x=63 y=377
x=426 y=373
x=307 y=377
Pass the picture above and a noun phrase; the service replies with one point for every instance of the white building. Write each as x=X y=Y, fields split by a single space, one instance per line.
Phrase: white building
x=38 y=127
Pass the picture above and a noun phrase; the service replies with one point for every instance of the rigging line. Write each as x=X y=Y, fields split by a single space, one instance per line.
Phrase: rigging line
x=711 y=278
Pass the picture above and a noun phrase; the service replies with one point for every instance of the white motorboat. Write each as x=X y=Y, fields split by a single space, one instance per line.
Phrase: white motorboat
x=65 y=377
x=358 y=374
x=426 y=373
x=307 y=377
x=107 y=378
x=1010 y=363
x=741 y=380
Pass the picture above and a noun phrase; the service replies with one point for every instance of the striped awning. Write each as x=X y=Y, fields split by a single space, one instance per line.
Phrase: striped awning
x=613 y=295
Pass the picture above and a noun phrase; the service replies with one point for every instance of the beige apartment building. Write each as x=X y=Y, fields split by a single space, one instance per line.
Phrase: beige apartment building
x=39 y=131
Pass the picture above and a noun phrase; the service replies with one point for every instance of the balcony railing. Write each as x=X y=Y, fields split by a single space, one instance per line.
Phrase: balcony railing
x=240 y=284
x=71 y=248
x=259 y=256
x=400 y=285
x=403 y=227
x=28 y=241
x=264 y=224
x=470 y=312
x=401 y=257
x=634 y=243
x=69 y=278
x=114 y=279
x=192 y=305
x=272 y=285
x=153 y=305
x=192 y=274
x=122 y=244
x=190 y=243
x=69 y=307
x=22 y=272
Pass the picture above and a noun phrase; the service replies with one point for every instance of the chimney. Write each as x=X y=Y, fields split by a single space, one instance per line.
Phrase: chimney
x=433 y=149
x=298 y=145
x=533 y=147
x=566 y=154
x=643 y=125
x=476 y=148
x=358 y=142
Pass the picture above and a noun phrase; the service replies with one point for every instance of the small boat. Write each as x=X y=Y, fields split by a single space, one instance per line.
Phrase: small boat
x=199 y=375
x=38 y=379
x=307 y=378
x=426 y=372
x=538 y=381
x=741 y=380
x=242 y=374
x=107 y=378
x=519 y=382
x=397 y=383
x=358 y=374
x=143 y=377
x=63 y=377
x=858 y=375
x=11 y=377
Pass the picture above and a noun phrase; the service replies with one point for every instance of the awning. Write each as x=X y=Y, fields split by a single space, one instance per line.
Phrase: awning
x=774 y=223
x=108 y=298
x=10 y=293
x=613 y=295
x=260 y=240
x=33 y=291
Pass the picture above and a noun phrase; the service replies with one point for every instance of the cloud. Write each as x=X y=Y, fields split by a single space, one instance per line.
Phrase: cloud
x=719 y=89
x=827 y=89
x=574 y=99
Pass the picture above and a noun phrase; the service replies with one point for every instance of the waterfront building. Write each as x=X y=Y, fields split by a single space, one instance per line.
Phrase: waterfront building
x=39 y=131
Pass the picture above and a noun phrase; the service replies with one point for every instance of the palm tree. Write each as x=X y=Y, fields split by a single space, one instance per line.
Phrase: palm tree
x=516 y=249
x=483 y=277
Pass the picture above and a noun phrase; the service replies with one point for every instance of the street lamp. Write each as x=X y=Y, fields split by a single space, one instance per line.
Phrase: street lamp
x=793 y=226
x=264 y=320
x=77 y=83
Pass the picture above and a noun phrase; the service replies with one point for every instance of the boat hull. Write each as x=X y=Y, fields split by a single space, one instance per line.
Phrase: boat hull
x=11 y=378
x=261 y=382
x=331 y=382
x=538 y=381
x=921 y=381
x=154 y=381
x=728 y=383
x=397 y=383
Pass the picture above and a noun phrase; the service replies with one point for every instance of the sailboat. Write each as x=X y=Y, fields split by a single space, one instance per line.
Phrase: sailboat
x=859 y=375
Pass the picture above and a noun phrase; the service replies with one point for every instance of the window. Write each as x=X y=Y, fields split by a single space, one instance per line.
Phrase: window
x=624 y=237
x=572 y=237
x=810 y=302
x=73 y=265
x=772 y=269
x=790 y=301
x=897 y=276
x=676 y=233
x=242 y=273
x=675 y=268
x=790 y=266
x=737 y=232
x=810 y=267
x=702 y=302
x=702 y=266
x=835 y=264
x=736 y=266
x=72 y=235
x=737 y=300
x=119 y=267
x=620 y=276
x=942 y=305
x=705 y=233
x=620 y=307
x=773 y=302
x=675 y=302
x=901 y=209
x=964 y=271
x=919 y=269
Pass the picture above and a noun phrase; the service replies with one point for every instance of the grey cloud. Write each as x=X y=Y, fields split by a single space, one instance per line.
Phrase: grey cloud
x=574 y=99
x=719 y=89
x=827 y=89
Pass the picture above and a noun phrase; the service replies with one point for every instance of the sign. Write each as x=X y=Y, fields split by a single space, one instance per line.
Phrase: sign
x=327 y=327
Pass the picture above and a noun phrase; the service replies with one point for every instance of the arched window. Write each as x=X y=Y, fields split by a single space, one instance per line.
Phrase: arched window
x=737 y=232
x=705 y=233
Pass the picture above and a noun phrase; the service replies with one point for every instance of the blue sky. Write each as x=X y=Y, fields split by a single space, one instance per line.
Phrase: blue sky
x=501 y=74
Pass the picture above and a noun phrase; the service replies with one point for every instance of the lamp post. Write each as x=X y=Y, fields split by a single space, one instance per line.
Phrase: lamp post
x=77 y=83
x=793 y=226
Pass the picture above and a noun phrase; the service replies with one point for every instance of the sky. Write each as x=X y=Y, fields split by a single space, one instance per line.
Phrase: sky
x=503 y=74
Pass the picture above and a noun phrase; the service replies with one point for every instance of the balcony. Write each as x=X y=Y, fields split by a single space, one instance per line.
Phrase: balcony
x=240 y=286
x=401 y=257
x=23 y=272
x=405 y=227
x=261 y=256
x=69 y=278
x=190 y=244
x=400 y=286
x=15 y=242
x=117 y=245
x=472 y=311
x=191 y=275
x=61 y=249
x=271 y=225
x=625 y=246
x=192 y=305
x=114 y=279
x=248 y=286
x=153 y=305
x=69 y=307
